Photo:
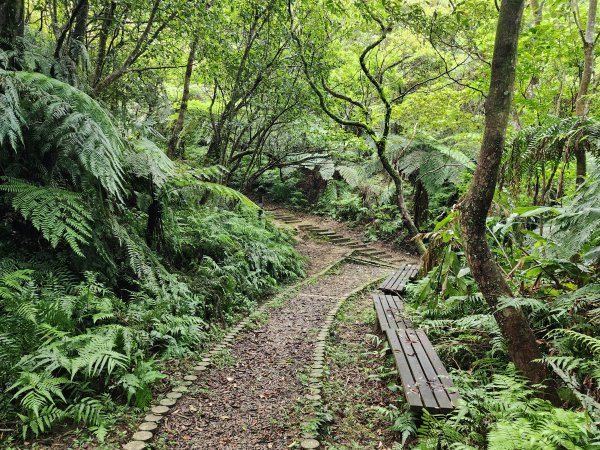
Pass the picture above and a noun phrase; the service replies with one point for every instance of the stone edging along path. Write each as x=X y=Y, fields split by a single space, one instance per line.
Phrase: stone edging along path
x=145 y=431
x=313 y=404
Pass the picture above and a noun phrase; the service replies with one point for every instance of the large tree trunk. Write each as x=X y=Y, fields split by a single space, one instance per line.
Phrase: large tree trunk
x=12 y=27
x=173 y=150
x=522 y=345
x=582 y=102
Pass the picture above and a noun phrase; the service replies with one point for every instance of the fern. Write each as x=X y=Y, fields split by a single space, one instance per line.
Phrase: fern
x=11 y=116
x=68 y=122
x=149 y=161
x=57 y=213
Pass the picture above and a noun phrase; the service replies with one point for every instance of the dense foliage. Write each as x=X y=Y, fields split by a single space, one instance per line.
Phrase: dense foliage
x=129 y=130
x=112 y=255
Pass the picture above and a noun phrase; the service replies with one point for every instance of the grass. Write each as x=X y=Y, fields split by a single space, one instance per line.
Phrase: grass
x=360 y=393
x=224 y=358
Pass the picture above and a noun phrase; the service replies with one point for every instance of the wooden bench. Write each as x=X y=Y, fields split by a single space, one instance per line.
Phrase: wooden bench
x=396 y=282
x=390 y=312
x=425 y=381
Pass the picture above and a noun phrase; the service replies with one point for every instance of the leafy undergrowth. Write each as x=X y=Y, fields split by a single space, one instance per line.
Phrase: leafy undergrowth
x=555 y=279
x=76 y=348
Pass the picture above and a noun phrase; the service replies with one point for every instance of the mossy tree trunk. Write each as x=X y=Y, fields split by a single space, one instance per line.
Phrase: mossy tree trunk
x=582 y=103
x=474 y=208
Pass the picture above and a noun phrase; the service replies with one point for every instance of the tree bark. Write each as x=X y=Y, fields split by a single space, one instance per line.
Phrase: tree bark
x=421 y=204
x=12 y=27
x=107 y=20
x=522 y=345
x=78 y=37
x=582 y=102
x=173 y=149
x=413 y=231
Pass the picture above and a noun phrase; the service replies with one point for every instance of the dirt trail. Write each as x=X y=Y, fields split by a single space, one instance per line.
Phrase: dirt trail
x=249 y=403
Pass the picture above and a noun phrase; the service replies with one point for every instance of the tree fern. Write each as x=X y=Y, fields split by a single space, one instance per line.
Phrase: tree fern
x=147 y=160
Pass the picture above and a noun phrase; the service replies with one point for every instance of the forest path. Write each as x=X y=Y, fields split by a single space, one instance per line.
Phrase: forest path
x=248 y=400
x=303 y=219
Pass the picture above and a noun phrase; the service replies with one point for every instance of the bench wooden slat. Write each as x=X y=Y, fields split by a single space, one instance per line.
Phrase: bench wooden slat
x=396 y=282
x=441 y=371
x=425 y=381
x=421 y=372
x=433 y=381
x=421 y=384
x=392 y=278
x=396 y=307
x=385 y=322
x=407 y=274
x=388 y=280
x=390 y=310
x=402 y=275
x=409 y=385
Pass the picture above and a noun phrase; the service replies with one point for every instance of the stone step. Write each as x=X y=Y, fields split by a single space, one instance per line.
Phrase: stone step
x=340 y=240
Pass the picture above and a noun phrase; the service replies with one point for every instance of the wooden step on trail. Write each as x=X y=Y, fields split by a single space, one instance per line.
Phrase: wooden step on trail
x=340 y=240
x=357 y=245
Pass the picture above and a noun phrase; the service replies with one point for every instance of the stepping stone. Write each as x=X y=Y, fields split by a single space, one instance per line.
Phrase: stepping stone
x=142 y=436
x=168 y=402
x=134 y=445
x=190 y=378
x=309 y=444
x=186 y=383
x=174 y=395
x=181 y=389
x=314 y=397
x=148 y=426
x=160 y=409
x=152 y=418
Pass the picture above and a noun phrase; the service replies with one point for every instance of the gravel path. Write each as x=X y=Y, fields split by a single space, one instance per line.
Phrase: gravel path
x=249 y=404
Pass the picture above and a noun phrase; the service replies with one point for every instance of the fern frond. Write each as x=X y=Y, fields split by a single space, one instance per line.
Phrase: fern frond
x=57 y=213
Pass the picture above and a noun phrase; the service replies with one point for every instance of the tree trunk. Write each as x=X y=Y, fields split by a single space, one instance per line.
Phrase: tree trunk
x=77 y=39
x=154 y=228
x=522 y=345
x=413 y=231
x=173 y=149
x=421 y=204
x=582 y=102
x=12 y=27
x=107 y=20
